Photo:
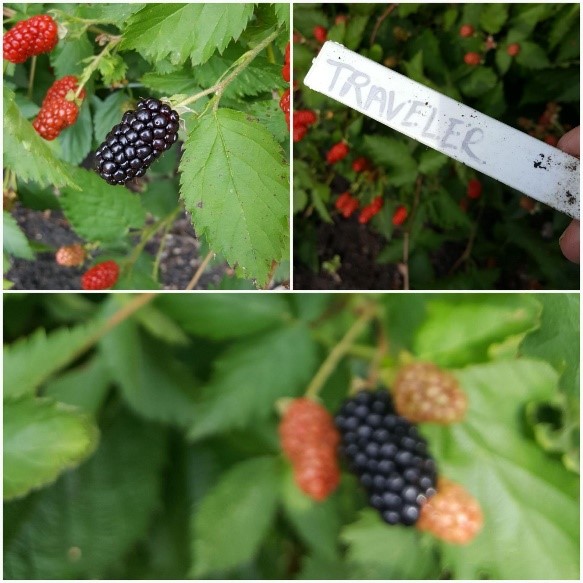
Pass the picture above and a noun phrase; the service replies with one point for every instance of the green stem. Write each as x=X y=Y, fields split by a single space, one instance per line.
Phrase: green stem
x=219 y=87
x=369 y=312
x=90 y=69
x=31 y=77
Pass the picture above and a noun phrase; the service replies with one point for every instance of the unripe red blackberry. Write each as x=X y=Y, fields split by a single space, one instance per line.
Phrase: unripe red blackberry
x=474 y=189
x=320 y=34
x=400 y=215
x=30 y=37
x=466 y=30
x=141 y=137
x=425 y=393
x=337 y=152
x=452 y=515
x=388 y=455
x=309 y=439
x=513 y=49
x=70 y=255
x=100 y=276
x=472 y=59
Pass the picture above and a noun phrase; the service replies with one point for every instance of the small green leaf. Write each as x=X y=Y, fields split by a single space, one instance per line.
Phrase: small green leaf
x=379 y=551
x=478 y=82
x=557 y=339
x=222 y=316
x=101 y=212
x=532 y=56
x=90 y=519
x=457 y=333
x=32 y=360
x=15 y=241
x=27 y=154
x=41 y=439
x=431 y=161
x=394 y=156
x=185 y=31
x=250 y=378
x=235 y=185
x=113 y=69
x=493 y=17
x=234 y=517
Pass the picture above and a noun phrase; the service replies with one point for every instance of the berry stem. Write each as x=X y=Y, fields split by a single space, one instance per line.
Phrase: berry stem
x=242 y=63
x=31 y=77
x=196 y=277
x=369 y=312
x=90 y=69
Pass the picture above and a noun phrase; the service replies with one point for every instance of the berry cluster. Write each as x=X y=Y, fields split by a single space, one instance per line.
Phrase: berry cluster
x=452 y=515
x=59 y=109
x=320 y=34
x=467 y=30
x=388 y=455
x=370 y=210
x=310 y=440
x=400 y=215
x=361 y=164
x=346 y=204
x=132 y=145
x=473 y=59
x=547 y=122
x=29 y=38
x=70 y=255
x=474 y=189
x=337 y=152
x=303 y=119
x=425 y=393
x=100 y=276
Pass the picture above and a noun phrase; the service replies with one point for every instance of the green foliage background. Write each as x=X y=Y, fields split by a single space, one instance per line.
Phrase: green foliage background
x=512 y=247
x=149 y=448
x=232 y=173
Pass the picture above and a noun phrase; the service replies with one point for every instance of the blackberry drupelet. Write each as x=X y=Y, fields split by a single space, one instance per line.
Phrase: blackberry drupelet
x=388 y=455
x=132 y=145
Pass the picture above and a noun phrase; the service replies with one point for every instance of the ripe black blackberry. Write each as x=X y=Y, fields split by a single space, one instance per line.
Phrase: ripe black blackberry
x=388 y=455
x=132 y=145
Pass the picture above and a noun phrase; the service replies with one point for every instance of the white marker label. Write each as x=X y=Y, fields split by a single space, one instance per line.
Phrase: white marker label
x=491 y=147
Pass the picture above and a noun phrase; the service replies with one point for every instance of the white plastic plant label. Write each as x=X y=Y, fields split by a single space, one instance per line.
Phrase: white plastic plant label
x=481 y=142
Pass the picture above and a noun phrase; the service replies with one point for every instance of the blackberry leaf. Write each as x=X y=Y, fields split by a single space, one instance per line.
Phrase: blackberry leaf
x=235 y=185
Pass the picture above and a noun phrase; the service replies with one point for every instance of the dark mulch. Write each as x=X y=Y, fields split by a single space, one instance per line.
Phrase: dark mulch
x=179 y=260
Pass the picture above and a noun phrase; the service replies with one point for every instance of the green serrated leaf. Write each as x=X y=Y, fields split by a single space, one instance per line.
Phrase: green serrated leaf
x=185 y=31
x=113 y=69
x=458 y=333
x=177 y=82
x=42 y=439
x=431 y=161
x=532 y=56
x=107 y=113
x=90 y=519
x=509 y=475
x=557 y=339
x=270 y=116
x=27 y=154
x=222 y=316
x=68 y=55
x=249 y=378
x=84 y=387
x=152 y=381
x=32 y=360
x=75 y=141
x=242 y=504
x=394 y=155
x=369 y=540
x=478 y=82
x=101 y=212
x=317 y=523
x=282 y=12
x=235 y=185
x=15 y=241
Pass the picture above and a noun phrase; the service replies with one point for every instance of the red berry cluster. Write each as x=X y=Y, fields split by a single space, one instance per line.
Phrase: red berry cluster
x=361 y=164
x=346 y=204
x=370 y=210
x=474 y=189
x=467 y=30
x=337 y=152
x=309 y=439
x=29 y=38
x=303 y=119
x=57 y=112
x=320 y=34
x=472 y=59
x=400 y=215
x=547 y=122
x=284 y=102
x=100 y=276
x=513 y=49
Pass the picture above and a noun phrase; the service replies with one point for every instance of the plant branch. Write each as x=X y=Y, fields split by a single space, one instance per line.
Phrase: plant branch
x=196 y=277
x=91 y=68
x=380 y=20
x=244 y=61
x=31 y=77
x=329 y=365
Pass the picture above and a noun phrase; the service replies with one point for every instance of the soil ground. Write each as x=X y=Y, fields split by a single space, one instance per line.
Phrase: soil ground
x=179 y=260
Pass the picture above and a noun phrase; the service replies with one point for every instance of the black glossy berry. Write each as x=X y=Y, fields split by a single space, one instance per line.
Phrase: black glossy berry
x=388 y=455
x=133 y=144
